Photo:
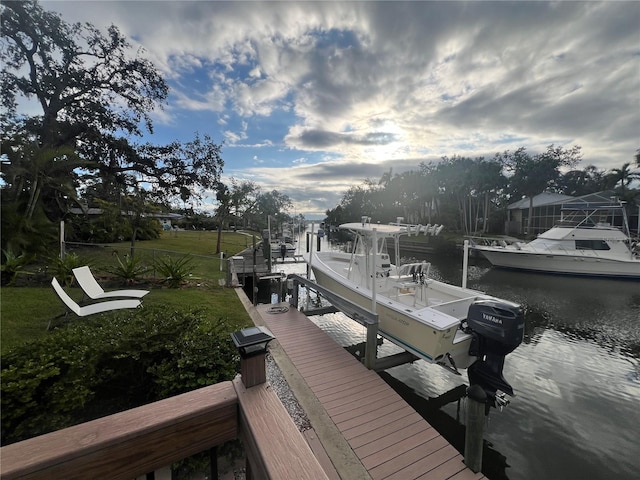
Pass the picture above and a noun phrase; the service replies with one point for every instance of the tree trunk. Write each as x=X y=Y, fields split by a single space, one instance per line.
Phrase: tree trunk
x=486 y=212
x=33 y=198
x=132 y=247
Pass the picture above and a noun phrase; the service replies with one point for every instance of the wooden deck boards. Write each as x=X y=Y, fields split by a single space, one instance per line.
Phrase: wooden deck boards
x=389 y=438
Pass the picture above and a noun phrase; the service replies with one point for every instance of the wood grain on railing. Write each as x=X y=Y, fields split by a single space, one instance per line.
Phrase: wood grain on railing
x=130 y=443
x=275 y=448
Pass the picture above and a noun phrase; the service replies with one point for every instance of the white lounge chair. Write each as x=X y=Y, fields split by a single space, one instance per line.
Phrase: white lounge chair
x=93 y=290
x=92 y=308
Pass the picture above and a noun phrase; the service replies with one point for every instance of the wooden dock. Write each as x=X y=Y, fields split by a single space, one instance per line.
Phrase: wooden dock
x=376 y=434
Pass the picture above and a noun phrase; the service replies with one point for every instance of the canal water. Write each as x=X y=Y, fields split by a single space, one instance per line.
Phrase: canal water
x=576 y=413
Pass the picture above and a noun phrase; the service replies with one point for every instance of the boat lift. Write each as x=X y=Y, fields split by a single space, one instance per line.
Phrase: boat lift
x=363 y=316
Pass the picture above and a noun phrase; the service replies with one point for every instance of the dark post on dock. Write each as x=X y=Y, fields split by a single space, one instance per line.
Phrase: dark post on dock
x=473 y=440
x=252 y=345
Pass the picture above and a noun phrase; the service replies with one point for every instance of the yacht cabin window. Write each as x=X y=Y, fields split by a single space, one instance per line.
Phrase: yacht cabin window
x=591 y=245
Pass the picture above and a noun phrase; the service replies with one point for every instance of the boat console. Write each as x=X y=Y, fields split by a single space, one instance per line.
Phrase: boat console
x=497 y=328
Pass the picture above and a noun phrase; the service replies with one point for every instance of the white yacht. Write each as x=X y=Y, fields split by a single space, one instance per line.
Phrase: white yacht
x=583 y=243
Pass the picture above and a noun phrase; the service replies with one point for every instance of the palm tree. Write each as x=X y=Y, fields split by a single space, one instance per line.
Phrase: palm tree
x=620 y=178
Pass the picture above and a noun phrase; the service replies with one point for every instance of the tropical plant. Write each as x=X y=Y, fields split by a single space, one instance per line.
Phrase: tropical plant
x=128 y=269
x=620 y=179
x=174 y=271
x=62 y=268
x=14 y=264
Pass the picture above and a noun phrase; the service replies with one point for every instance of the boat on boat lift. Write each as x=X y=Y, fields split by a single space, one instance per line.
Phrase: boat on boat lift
x=583 y=243
x=441 y=323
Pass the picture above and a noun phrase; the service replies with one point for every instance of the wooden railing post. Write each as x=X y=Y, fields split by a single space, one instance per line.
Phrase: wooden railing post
x=252 y=345
x=253 y=370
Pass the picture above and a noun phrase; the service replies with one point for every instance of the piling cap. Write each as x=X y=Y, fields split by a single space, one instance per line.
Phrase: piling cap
x=477 y=393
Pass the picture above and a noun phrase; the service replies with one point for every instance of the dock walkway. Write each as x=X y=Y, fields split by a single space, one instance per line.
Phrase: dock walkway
x=366 y=428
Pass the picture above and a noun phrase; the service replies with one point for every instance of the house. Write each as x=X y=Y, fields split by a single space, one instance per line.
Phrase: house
x=547 y=212
x=165 y=219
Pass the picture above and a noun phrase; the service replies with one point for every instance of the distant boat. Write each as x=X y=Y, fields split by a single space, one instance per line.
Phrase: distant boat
x=282 y=249
x=283 y=246
x=581 y=244
x=452 y=326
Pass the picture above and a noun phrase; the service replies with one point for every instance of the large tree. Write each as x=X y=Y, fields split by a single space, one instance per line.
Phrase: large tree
x=85 y=83
x=95 y=93
x=581 y=182
x=236 y=200
x=271 y=204
x=88 y=87
x=533 y=174
x=620 y=179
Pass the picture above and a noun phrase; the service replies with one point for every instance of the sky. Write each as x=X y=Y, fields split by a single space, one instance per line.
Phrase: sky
x=312 y=98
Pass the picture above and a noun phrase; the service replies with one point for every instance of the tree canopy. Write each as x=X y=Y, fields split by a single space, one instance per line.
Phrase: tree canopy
x=471 y=194
x=95 y=93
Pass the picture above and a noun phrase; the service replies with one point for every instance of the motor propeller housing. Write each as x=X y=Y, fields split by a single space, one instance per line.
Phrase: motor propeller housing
x=497 y=328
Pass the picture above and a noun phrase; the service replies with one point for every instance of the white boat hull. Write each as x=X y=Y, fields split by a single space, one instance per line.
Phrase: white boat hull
x=445 y=324
x=431 y=333
x=559 y=263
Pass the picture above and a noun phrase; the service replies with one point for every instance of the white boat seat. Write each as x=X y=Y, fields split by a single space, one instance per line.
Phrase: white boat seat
x=414 y=269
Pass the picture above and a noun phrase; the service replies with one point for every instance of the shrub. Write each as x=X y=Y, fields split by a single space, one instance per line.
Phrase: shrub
x=62 y=269
x=14 y=265
x=108 y=363
x=174 y=271
x=128 y=270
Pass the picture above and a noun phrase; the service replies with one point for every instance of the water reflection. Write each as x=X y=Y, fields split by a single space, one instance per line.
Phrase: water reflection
x=606 y=312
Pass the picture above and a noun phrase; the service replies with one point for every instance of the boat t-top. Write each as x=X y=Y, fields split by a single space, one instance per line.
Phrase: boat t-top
x=445 y=324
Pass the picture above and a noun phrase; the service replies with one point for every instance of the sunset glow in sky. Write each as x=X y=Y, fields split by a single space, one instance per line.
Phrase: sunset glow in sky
x=312 y=98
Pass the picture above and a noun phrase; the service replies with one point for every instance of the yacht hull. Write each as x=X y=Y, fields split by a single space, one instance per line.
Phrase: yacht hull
x=567 y=264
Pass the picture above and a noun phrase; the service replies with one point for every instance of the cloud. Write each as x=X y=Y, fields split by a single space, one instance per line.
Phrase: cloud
x=307 y=139
x=356 y=87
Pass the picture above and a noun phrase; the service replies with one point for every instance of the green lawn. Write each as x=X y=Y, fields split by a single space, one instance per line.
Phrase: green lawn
x=199 y=244
x=26 y=311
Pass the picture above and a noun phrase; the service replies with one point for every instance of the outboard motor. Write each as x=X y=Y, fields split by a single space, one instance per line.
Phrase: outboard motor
x=497 y=328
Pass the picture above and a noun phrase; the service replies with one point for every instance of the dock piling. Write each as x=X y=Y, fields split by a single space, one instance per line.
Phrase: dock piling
x=371 y=349
x=473 y=441
x=465 y=264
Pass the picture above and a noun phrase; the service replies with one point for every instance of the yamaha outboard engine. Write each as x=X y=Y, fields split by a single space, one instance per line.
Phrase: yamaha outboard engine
x=497 y=328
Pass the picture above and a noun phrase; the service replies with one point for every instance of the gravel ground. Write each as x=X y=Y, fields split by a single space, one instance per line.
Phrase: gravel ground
x=281 y=387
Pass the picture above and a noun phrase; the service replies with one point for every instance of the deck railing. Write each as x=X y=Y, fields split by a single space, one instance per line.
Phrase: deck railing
x=141 y=440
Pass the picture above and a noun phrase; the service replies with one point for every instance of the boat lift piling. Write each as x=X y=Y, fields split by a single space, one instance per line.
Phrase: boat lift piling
x=476 y=418
x=465 y=263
